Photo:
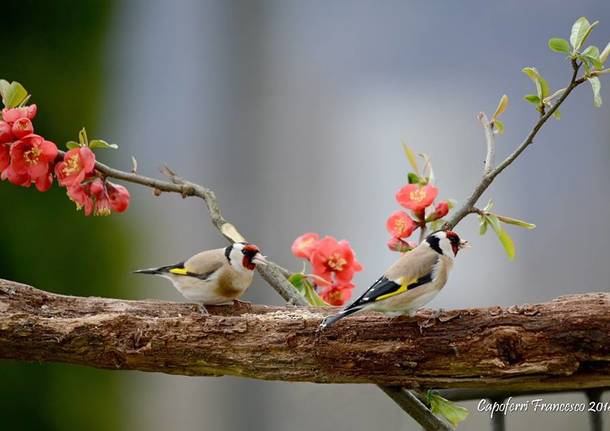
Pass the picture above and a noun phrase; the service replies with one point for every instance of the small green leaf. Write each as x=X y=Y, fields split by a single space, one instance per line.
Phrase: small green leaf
x=451 y=203
x=440 y=406
x=428 y=171
x=516 y=222
x=533 y=99
x=596 y=86
x=541 y=85
x=499 y=125
x=588 y=32
x=505 y=239
x=489 y=206
x=559 y=45
x=72 y=144
x=4 y=86
x=579 y=30
x=13 y=95
x=482 y=225
x=312 y=296
x=591 y=51
x=605 y=53
x=557 y=114
x=305 y=288
x=411 y=158
x=297 y=280
x=413 y=179
x=82 y=138
x=98 y=143
x=591 y=55
x=501 y=106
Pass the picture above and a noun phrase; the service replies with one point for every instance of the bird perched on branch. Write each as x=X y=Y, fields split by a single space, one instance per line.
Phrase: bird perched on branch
x=411 y=282
x=213 y=277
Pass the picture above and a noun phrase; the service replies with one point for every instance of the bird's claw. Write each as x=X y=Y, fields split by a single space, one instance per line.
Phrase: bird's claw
x=204 y=311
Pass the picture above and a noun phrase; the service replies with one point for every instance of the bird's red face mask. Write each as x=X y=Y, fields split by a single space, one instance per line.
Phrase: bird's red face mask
x=252 y=257
x=456 y=243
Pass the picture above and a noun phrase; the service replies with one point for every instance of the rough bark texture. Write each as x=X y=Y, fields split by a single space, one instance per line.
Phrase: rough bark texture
x=563 y=344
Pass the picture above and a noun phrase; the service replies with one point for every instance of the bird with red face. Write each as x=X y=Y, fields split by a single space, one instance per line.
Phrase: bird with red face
x=213 y=277
x=411 y=282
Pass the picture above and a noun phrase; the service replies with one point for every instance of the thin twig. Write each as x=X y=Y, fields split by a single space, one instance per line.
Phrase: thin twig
x=488 y=178
x=490 y=143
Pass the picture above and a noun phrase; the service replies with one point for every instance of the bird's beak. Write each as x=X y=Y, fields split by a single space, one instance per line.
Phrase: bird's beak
x=259 y=259
x=464 y=244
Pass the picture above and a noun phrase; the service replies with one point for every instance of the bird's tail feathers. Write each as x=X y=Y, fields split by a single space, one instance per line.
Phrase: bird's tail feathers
x=162 y=270
x=331 y=320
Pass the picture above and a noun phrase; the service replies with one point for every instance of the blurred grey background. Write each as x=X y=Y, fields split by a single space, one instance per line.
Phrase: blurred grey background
x=293 y=113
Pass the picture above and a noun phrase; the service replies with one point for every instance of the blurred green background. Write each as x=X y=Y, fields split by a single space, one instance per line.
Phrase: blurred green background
x=57 y=53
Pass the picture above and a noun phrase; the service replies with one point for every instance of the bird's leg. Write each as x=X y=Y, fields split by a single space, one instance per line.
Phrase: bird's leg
x=204 y=311
x=436 y=313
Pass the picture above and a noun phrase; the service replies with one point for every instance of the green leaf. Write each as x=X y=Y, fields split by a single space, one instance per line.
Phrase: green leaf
x=98 y=143
x=82 y=138
x=305 y=288
x=588 y=32
x=596 y=86
x=516 y=222
x=489 y=206
x=542 y=86
x=411 y=158
x=4 y=86
x=499 y=125
x=505 y=239
x=501 y=106
x=482 y=225
x=591 y=51
x=559 y=45
x=312 y=296
x=13 y=95
x=413 y=179
x=533 y=99
x=591 y=55
x=605 y=53
x=557 y=114
x=440 y=406
x=428 y=172
x=72 y=144
x=297 y=280
x=579 y=31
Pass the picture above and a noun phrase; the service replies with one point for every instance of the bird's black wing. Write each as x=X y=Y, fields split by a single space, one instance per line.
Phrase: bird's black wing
x=384 y=288
x=177 y=269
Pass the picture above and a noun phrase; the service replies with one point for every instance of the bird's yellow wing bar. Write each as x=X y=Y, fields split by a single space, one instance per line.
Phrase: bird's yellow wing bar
x=404 y=286
x=179 y=271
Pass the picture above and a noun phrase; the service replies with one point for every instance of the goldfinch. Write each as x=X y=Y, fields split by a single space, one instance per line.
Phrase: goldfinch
x=411 y=282
x=213 y=277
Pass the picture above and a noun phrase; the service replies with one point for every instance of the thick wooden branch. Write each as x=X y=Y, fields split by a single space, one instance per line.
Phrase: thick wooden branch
x=563 y=344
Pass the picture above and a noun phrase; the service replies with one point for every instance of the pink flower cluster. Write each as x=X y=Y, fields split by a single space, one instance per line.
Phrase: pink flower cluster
x=333 y=264
x=27 y=158
x=416 y=198
x=86 y=189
